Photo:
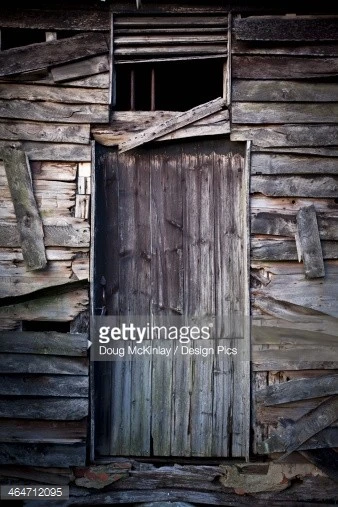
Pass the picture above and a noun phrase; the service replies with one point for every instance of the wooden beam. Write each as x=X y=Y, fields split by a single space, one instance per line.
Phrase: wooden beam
x=323 y=439
x=67 y=235
x=286 y=112
x=301 y=186
x=298 y=389
x=81 y=69
x=40 y=151
x=69 y=94
x=287 y=135
x=46 y=343
x=283 y=91
x=44 y=54
x=309 y=240
x=284 y=28
x=26 y=210
x=275 y=163
x=296 y=358
x=286 y=250
x=179 y=121
x=44 y=132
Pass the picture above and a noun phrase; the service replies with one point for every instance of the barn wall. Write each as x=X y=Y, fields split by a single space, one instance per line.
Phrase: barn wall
x=50 y=93
x=284 y=99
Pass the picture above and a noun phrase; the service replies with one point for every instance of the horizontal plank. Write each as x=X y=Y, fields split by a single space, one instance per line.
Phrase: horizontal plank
x=96 y=81
x=45 y=455
x=288 y=135
x=156 y=39
x=81 y=69
x=302 y=150
x=70 y=94
x=68 y=235
x=181 y=49
x=169 y=58
x=282 y=67
x=302 y=186
x=261 y=203
x=175 y=21
x=262 y=112
x=44 y=54
x=46 y=343
x=70 y=409
x=295 y=359
x=298 y=389
x=286 y=250
x=325 y=439
x=45 y=132
x=281 y=333
x=64 y=306
x=52 y=171
x=277 y=48
x=263 y=163
x=55 y=19
x=39 y=431
x=53 y=365
x=286 y=29
x=66 y=386
x=283 y=91
x=40 y=151
x=54 y=112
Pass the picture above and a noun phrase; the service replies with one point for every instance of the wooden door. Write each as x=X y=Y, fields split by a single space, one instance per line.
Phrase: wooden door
x=171 y=240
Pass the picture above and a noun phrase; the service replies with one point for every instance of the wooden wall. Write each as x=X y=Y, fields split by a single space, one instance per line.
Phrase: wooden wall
x=50 y=93
x=284 y=99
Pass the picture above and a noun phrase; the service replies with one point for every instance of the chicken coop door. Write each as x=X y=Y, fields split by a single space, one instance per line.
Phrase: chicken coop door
x=171 y=239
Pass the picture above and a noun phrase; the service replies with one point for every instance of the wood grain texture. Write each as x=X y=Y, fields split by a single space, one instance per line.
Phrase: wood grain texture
x=262 y=112
x=42 y=408
x=40 y=131
x=46 y=343
x=309 y=242
x=54 y=19
x=288 y=135
x=286 y=250
x=46 y=364
x=44 y=455
x=302 y=186
x=274 y=163
x=286 y=29
x=41 y=151
x=81 y=69
x=44 y=54
x=317 y=48
x=42 y=431
x=70 y=235
x=283 y=91
x=67 y=386
x=70 y=94
x=26 y=211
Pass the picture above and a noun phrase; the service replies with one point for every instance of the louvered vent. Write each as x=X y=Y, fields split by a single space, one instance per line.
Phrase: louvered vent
x=140 y=39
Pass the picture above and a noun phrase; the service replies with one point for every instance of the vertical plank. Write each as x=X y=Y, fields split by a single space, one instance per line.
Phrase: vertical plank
x=309 y=242
x=167 y=286
x=141 y=280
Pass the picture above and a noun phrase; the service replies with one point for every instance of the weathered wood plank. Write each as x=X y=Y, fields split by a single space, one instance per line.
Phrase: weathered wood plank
x=40 y=431
x=52 y=151
x=286 y=250
x=286 y=29
x=70 y=235
x=185 y=21
x=179 y=121
x=21 y=363
x=81 y=69
x=302 y=186
x=282 y=67
x=273 y=163
x=55 y=19
x=284 y=224
x=68 y=386
x=152 y=39
x=26 y=211
x=96 y=81
x=283 y=91
x=43 y=454
x=298 y=389
x=278 y=334
x=300 y=358
x=277 y=48
x=315 y=151
x=54 y=112
x=44 y=54
x=327 y=438
x=71 y=93
x=261 y=203
x=261 y=112
x=61 y=307
x=48 y=132
x=44 y=408
x=47 y=343
x=170 y=50
x=52 y=171
x=288 y=135
x=326 y=460
x=309 y=242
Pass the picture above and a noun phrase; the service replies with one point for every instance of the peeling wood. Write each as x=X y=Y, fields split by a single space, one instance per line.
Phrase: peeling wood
x=44 y=54
x=26 y=211
x=179 y=121
x=309 y=241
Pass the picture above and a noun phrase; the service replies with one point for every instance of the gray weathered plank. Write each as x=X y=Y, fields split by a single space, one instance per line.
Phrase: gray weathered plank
x=160 y=52
x=40 y=431
x=52 y=151
x=300 y=358
x=44 y=54
x=69 y=235
x=47 y=343
x=284 y=224
x=175 y=21
x=283 y=67
x=44 y=408
x=286 y=250
x=21 y=363
x=283 y=91
x=262 y=112
x=286 y=29
x=274 y=163
x=45 y=132
x=316 y=151
x=298 y=389
x=295 y=49
x=96 y=81
x=168 y=39
x=301 y=186
x=71 y=93
x=179 y=121
x=54 y=112
x=43 y=454
x=81 y=69
x=68 y=386
x=288 y=135
x=51 y=19
x=327 y=438
x=26 y=211
x=309 y=242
